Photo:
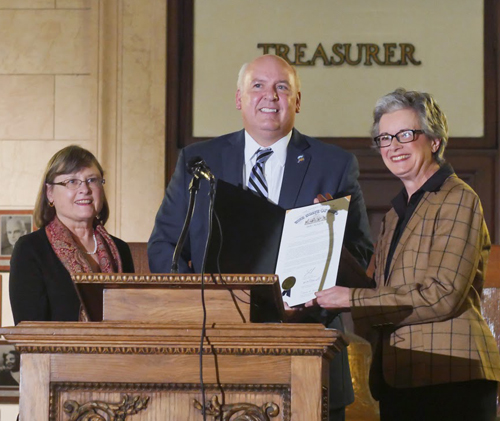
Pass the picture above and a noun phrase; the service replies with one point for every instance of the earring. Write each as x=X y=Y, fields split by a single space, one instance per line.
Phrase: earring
x=51 y=204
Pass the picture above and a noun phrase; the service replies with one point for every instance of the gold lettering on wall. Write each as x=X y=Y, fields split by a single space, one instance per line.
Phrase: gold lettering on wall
x=389 y=54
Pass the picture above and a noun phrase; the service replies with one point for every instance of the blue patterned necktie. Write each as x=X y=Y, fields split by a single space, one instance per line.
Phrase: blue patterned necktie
x=257 y=181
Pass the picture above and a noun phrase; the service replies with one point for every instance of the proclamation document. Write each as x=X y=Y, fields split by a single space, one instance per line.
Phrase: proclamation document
x=309 y=253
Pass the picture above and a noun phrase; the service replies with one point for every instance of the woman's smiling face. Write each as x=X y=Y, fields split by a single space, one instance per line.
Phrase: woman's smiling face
x=407 y=161
x=80 y=206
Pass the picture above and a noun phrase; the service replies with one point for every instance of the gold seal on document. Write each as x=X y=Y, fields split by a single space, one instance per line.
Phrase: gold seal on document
x=288 y=283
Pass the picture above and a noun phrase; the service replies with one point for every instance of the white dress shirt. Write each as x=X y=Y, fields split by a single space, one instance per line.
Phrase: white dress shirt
x=274 y=166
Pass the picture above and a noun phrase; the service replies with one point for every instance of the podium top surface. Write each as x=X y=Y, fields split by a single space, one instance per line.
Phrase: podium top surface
x=264 y=290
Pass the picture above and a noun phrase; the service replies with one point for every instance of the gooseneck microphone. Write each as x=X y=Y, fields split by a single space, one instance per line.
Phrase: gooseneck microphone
x=198 y=167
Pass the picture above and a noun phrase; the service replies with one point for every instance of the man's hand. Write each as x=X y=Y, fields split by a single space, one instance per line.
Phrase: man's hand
x=334 y=298
x=323 y=198
x=295 y=314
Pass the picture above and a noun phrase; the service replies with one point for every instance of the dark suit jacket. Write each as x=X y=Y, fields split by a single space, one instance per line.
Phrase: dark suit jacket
x=312 y=167
x=426 y=315
x=40 y=287
x=323 y=169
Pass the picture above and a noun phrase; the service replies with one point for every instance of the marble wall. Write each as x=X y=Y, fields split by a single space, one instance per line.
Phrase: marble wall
x=48 y=76
x=86 y=72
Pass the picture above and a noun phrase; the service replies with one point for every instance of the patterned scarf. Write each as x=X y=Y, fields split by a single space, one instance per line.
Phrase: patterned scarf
x=74 y=259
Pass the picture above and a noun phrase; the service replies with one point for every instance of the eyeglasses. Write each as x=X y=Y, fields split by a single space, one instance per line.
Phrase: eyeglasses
x=403 y=136
x=75 y=183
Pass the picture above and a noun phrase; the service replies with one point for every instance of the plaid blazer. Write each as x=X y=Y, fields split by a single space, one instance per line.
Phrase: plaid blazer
x=424 y=321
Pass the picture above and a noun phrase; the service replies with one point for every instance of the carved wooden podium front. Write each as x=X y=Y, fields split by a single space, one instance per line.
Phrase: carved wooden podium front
x=131 y=367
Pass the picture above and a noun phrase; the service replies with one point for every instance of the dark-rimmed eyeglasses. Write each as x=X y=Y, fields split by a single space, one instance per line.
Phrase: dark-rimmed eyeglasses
x=403 y=136
x=75 y=183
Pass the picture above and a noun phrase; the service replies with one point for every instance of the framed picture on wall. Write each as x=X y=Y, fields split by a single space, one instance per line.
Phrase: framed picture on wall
x=13 y=224
x=10 y=360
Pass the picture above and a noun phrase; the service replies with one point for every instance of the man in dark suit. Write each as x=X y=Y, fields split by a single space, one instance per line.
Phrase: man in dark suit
x=298 y=169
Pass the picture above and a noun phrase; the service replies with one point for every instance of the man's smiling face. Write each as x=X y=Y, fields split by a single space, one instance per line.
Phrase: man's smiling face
x=268 y=99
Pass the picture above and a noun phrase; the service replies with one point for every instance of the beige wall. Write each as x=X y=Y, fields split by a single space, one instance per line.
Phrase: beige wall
x=87 y=72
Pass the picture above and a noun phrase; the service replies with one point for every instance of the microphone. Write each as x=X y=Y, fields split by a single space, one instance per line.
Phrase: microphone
x=198 y=167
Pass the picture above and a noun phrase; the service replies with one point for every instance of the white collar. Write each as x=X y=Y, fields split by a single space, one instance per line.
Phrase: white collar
x=279 y=148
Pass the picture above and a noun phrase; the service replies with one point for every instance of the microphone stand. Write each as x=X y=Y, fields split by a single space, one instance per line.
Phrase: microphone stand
x=194 y=186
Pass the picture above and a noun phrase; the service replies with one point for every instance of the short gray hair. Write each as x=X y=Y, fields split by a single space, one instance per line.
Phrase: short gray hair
x=243 y=71
x=241 y=76
x=432 y=120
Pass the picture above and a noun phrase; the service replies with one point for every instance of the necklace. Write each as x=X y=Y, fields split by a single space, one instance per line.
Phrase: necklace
x=95 y=247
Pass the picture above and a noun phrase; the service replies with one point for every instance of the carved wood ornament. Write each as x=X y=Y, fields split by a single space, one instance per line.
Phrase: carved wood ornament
x=239 y=411
x=104 y=411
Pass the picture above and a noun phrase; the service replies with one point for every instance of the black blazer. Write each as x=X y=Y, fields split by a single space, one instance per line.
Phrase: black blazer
x=40 y=287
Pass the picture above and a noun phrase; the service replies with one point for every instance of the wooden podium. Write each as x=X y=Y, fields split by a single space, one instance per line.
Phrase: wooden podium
x=142 y=361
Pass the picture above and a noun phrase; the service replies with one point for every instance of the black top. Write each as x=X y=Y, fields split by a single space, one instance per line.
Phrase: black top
x=405 y=208
x=40 y=287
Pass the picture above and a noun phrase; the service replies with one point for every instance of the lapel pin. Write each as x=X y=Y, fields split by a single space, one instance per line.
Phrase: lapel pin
x=300 y=159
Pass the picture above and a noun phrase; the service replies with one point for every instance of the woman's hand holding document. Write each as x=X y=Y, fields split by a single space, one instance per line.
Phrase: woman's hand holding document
x=310 y=249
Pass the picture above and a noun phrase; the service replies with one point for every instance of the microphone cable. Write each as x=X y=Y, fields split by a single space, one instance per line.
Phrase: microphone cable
x=203 y=304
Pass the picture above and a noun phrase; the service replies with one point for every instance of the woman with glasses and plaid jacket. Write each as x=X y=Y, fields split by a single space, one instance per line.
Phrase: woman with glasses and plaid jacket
x=434 y=357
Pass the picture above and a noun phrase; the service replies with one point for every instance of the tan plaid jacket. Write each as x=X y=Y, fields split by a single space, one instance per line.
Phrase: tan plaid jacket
x=424 y=321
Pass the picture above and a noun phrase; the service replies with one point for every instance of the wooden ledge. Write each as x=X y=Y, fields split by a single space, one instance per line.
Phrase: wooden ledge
x=140 y=338
x=166 y=280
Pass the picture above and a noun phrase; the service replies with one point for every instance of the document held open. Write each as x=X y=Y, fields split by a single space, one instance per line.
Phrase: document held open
x=310 y=249
x=302 y=245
